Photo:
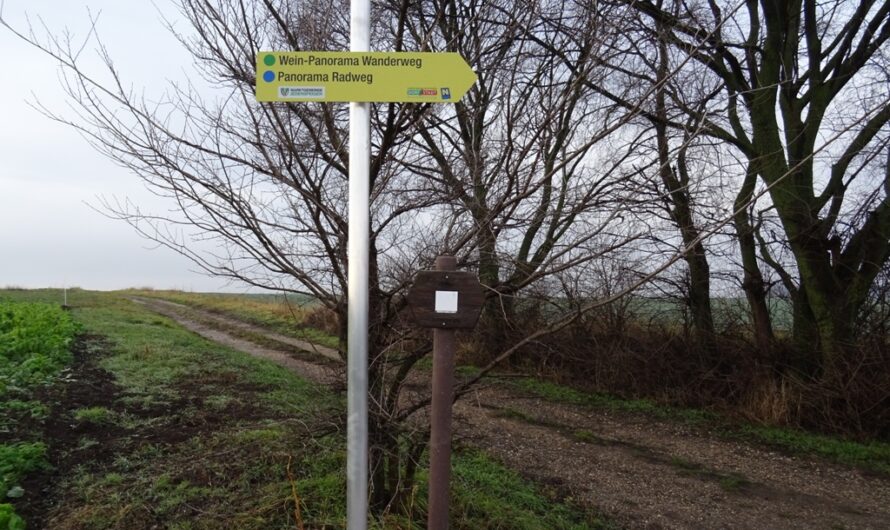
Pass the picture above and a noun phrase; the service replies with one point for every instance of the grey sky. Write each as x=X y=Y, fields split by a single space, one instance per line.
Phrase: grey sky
x=49 y=236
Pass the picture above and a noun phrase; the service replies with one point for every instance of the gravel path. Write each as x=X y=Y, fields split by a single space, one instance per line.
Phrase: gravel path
x=640 y=472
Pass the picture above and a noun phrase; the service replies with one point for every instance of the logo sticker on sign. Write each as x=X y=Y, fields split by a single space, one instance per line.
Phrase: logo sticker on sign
x=301 y=92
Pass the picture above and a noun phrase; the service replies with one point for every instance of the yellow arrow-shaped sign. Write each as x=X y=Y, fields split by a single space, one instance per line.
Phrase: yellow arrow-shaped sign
x=362 y=76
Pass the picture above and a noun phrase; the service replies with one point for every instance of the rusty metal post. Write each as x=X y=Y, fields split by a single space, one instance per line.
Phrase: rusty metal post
x=440 y=417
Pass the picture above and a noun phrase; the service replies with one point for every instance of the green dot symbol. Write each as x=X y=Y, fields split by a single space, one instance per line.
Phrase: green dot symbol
x=269 y=60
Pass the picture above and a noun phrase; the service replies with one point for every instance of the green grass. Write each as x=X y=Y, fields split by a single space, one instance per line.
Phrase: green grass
x=873 y=455
x=486 y=495
x=97 y=415
x=253 y=421
x=563 y=394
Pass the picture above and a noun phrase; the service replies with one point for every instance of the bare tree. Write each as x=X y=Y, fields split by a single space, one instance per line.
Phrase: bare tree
x=516 y=157
x=266 y=183
x=508 y=171
x=793 y=73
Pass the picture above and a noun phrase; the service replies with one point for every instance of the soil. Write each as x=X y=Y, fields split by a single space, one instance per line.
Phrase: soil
x=638 y=471
x=84 y=384
x=92 y=446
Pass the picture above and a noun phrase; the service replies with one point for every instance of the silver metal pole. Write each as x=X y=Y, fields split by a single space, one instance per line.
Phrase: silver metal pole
x=359 y=233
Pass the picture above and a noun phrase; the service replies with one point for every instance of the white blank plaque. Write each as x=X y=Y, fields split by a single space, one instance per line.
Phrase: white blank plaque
x=446 y=301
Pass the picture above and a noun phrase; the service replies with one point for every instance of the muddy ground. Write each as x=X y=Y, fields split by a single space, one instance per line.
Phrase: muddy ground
x=79 y=447
x=639 y=471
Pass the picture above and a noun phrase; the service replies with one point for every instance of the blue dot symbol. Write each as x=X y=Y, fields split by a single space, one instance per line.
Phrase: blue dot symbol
x=269 y=76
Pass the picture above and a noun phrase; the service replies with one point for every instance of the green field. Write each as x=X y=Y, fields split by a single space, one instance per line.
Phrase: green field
x=164 y=429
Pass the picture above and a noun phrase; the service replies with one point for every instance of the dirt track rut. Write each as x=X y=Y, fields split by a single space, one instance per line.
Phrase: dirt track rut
x=640 y=472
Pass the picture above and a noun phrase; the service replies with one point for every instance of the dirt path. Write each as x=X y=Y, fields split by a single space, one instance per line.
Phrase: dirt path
x=640 y=472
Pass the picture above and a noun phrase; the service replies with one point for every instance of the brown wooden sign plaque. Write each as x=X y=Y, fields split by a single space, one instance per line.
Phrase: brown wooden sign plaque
x=445 y=299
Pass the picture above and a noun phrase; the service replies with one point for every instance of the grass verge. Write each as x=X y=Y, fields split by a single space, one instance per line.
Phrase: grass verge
x=283 y=314
x=874 y=456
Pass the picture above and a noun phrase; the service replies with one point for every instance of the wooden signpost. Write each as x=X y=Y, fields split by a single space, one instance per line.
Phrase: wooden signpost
x=444 y=300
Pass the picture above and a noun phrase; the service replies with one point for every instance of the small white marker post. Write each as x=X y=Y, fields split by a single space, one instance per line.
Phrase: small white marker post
x=357 y=314
x=446 y=301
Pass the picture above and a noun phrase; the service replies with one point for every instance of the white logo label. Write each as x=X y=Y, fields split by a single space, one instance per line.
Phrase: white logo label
x=301 y=92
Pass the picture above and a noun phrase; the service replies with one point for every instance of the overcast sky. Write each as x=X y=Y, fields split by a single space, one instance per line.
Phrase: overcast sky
x=49 y=175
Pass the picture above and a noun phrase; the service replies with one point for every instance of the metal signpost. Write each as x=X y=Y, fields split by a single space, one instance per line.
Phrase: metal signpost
x=444 y=300
x=357 y=285
x=360 y=77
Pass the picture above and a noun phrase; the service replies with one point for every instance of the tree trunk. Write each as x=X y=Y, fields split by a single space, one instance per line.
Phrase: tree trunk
x=494 y=323
x=384 y=450
x=752 y=280
x=823 y=319
x=678 y=196
x=700 y=296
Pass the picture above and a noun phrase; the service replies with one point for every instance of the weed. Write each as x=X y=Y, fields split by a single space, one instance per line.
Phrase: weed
x=220 y=401
x=113 y=479
x=95 y=415
x=85 y=442
x=18 y=459
x=730 y=482
x=583 y=435
x=261 y=435
x=9 y=520
x=33 y=409
x=513 y=414
x=685 y=465
x=34 y=341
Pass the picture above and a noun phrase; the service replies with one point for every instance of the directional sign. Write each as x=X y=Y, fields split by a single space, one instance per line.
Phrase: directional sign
x=362 y=76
